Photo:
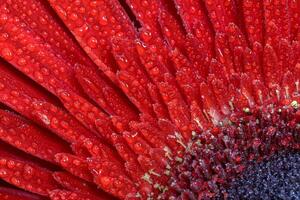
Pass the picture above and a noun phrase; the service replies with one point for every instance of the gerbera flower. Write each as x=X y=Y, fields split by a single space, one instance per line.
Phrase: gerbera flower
x=144 y=99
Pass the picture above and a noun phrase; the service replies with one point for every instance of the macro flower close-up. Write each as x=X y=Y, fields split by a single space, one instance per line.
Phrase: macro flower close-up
x=149 y=99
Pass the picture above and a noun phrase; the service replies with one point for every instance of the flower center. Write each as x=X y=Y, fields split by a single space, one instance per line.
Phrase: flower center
x=215 y=157
x=272 y=179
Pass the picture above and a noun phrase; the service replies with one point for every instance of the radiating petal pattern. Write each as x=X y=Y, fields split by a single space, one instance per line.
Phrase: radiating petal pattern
x=144 y=99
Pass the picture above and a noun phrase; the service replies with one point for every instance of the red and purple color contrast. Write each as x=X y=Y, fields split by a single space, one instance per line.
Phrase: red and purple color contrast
x=144 y=99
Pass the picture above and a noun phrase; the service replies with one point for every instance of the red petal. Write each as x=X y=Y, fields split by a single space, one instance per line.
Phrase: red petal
x=150 y=133
x=178 y=109
x=277 y=15
x=36 y=58
x=75 y=165
x=132 y=76
x=221 y=13
x=84 y=111
x=12 y=194
x=146 y=12
x=68 y=195
x=30 y=102
x=111 y=177
x=272 y=72
x=94 y=23
x=252 y=65
x=75 y=184
x=190 y=10
x=224 y=55
x=171 y=28
x=60 y=122
x=137 y=143
x=254 y=21
x=41 y=18
x=209 y=105
x=26 y=175
x=104 y=94
x=294 y=11
x=29 y=138
x=132 y=166
x=158 y=106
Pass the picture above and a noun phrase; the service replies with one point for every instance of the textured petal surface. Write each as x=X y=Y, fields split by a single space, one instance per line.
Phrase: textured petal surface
x=144 y=99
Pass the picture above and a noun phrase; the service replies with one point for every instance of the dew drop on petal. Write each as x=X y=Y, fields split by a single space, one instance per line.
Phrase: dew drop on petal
x=92 y=42
x=3 y=37
x=10 y=164
x=38 y=76
x=123 y=62
x=15 y=181
x=3 y=19
x=28 y=171
x=105 y=181
x=2 y=86
x=3 y=173
x=103 y=20
x=146 y=36
x=22 y=61
x=74 y=16
x=7 y=54
x=81 y=30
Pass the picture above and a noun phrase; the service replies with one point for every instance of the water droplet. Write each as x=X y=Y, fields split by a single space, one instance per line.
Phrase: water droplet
x=15 y=181
x=22 y=61
x=77 y=2
x=2 y=86
x=65 y=96
x=81 y=30
x=92 y=42
x=3 y=173
x=122 y=62
x=3 y=19
x=38 y=76
x=64 y=159
x=29 y=187
x=74 y=16
x=146 y=36
x=14 y=93
x=43 y=21
x=3 y=37
x=91 y=115
x=7 y=53
x=105 y=181
x=28 y=172
x=45 y=119
x=145 y=3
x=93 y=3
x=94 y=12
x=167 y=32
x=103 y=20
x=3 y=161
x=30 y=47
x=138 y=147
x=10 y=164
x=140 y=47
x=29 y=12
x=61 y=11
x=81 y=10
x=76 y=162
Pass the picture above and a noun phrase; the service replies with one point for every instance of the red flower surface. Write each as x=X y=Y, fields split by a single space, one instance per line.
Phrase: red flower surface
x=143 y=99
